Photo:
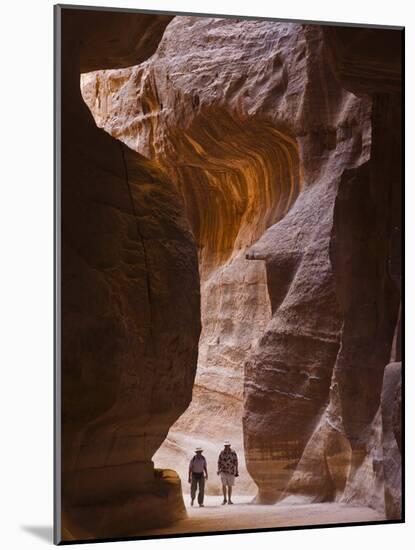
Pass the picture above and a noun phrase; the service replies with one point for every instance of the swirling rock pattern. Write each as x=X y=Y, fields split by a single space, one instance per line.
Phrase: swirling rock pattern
x=272 y=132
x=235 y=125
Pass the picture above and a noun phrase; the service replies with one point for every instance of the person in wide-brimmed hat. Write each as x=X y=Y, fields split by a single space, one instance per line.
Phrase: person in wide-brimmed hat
x=197 y=476
x=228 y=470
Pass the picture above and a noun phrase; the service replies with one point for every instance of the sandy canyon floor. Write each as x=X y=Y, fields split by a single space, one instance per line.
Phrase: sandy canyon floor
x=244 y=515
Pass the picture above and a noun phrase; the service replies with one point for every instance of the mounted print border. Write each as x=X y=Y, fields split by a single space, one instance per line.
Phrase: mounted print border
x=229 y=295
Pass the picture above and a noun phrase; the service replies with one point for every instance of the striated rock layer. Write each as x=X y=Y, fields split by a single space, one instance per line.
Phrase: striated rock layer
x=275 y=135
x=130 y=308
x=236 y=124
x=345 y=453
x=369 y=282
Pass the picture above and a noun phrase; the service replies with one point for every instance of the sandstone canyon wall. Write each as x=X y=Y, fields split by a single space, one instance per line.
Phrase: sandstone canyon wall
x=130 y=301
x=371 y=63
x=275 y=136
x=335 y=443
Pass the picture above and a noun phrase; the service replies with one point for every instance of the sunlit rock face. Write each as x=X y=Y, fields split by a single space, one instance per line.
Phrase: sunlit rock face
x=243 y=115
x=345 y=448
x=130 y=308
x=238 y=174
x=277 y=160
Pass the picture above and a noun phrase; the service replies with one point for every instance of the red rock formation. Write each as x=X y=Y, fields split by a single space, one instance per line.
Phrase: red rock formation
x=129 y=302
x=235 y=125
x=370 y=63
x=275 y=136
x=391 y=410
x=345 y=457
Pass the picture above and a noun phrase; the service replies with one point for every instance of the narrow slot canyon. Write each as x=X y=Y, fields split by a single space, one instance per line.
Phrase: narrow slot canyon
x=247 y=180
x=236 y=257
x=236 y=178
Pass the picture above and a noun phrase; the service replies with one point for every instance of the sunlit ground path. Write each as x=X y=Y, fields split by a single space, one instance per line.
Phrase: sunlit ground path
x=243 y=515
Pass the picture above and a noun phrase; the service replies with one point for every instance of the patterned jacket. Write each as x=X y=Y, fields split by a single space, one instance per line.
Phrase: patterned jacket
x=228 y=462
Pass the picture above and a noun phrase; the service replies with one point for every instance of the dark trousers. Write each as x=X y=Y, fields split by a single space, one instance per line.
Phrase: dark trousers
x=193 y=488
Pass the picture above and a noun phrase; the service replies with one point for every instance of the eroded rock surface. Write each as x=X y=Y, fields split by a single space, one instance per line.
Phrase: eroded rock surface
x=391 y=408
x=275 y=135
x=130 y=313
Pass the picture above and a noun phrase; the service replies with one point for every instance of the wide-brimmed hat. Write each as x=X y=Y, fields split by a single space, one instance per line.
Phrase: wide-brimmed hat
x=226 y=442
x=198 y=449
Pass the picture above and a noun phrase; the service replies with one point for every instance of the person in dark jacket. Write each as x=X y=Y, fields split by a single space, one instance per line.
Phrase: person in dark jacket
x=197 y=476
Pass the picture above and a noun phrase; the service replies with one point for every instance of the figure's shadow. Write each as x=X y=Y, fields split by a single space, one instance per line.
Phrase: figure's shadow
x=43 y=532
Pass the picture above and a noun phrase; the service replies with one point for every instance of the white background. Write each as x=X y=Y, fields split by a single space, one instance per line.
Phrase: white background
x=26 y=248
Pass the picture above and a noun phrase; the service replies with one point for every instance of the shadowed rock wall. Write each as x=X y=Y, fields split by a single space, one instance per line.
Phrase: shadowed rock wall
x=369 y=280
x=129 y=298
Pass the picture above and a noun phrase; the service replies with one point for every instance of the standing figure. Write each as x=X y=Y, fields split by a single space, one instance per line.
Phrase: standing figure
x=228 y=470
x=197 y=476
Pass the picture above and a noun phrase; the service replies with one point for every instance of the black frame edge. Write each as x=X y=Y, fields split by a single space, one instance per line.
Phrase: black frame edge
x=57 y=527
